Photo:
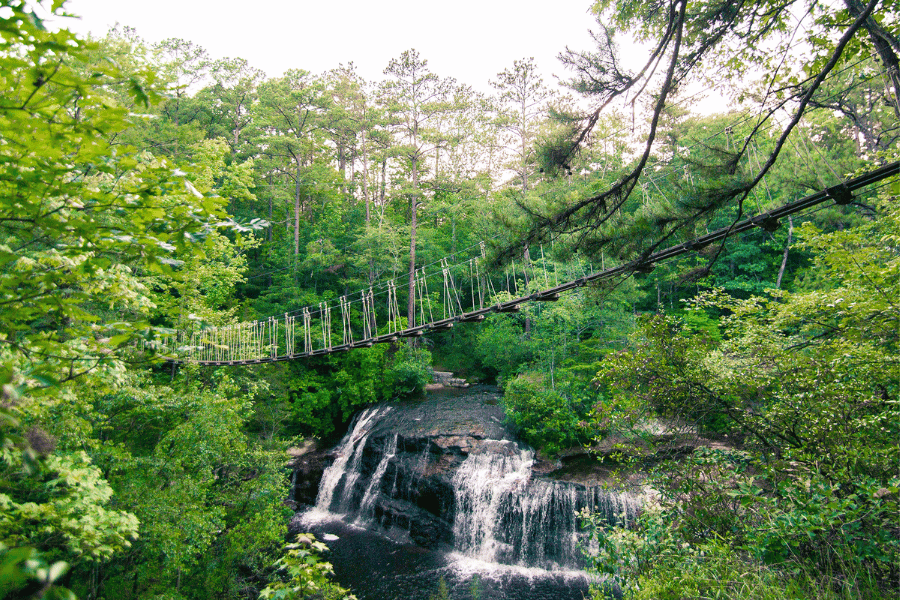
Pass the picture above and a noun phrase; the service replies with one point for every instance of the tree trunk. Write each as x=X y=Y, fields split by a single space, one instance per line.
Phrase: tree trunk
x=365 y=191
x=437 y=165
x=414 y=203
x=269 y=230
x=784 y=258
x=342 y=165
x=296 y=219
x=383 y=181
x=886 y=45
x=365 y=181
x=523 y=135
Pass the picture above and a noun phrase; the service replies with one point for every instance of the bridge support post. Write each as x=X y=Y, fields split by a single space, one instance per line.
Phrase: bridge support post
x=288 y=336
x=393 y=308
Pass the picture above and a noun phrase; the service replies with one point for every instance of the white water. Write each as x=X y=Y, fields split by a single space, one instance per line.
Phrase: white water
x=502 y=514
x=486 y=486
x=351 y=448
x=367 y=506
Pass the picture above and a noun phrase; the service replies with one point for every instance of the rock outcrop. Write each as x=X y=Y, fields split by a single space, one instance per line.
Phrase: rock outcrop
x=447 y=471
x=308 y=462
x=445 y=379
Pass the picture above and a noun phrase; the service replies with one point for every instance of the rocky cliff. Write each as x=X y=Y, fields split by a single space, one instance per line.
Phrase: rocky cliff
x=447 y=471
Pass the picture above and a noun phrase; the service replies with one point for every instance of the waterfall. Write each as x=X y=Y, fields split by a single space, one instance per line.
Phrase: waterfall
x=367 y=506
x=486 y=488
x=505 y=515
x=350 y=451
x=480 y=495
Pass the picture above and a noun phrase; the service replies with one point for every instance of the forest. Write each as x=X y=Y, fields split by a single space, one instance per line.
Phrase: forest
x=148 y=188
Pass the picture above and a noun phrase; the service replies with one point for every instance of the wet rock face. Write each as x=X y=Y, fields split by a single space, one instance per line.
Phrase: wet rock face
x=308 y=464
x=446 y=471
x=447 y=417
x=413 y=449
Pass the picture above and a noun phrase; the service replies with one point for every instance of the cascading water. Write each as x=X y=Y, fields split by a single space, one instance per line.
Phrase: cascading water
x=487 y=488
x=367 y=506
x=349 y=451
x=480 y=495
x=506 y=515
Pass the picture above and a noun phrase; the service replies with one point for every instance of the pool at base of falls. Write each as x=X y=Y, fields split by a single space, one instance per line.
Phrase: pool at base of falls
x=382 y=565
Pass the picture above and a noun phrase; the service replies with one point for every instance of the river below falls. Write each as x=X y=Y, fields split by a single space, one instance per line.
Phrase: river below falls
x=376 y=567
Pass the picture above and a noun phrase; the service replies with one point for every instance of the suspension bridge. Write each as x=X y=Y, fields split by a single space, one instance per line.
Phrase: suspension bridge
x=441 y=298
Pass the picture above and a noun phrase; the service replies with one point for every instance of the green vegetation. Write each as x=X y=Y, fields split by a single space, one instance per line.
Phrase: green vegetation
x=148 y=188
x=307 y=575
x=805 y=383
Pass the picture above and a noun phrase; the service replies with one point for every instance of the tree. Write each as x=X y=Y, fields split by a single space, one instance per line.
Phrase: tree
x=704 y=42
x=804 y=382
x=348 y=119
x=523 y=97
x=869 y=113
x=416 y=98
x=290 y=112
x=461 y=183
x=353 y=121
x=181 y=65
x=227 y=103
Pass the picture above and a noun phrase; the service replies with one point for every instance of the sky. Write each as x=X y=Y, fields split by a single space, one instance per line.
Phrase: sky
x=470 y=40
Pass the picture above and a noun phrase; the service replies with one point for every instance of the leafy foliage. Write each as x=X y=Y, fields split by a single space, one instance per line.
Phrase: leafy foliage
x=67 y=509
x=549 y=419
x=308 y=576
x=806 y=380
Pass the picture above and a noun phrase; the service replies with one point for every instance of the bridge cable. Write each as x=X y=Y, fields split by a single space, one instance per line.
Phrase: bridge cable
x=345 y=321
x=393 y=308
x=289 y=334
x=307 y=331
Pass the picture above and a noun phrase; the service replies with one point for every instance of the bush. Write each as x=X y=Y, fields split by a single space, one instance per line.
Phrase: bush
x=304 y=574
x=549 y=419
x=410 y=373
x=726 y=524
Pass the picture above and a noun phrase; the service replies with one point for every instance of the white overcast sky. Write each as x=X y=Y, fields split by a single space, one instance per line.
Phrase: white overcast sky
x=470 y=40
